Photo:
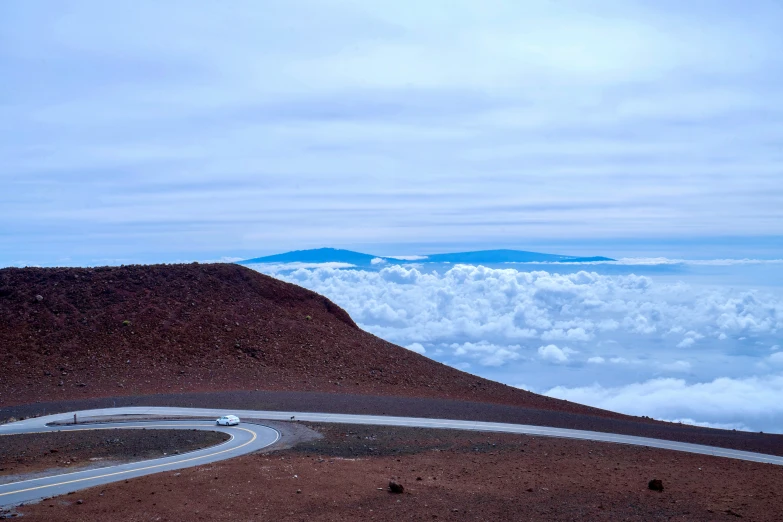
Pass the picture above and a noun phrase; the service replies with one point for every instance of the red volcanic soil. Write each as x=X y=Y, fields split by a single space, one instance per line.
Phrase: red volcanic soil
x=73 y=333
x=446 y=475
x=211 y=335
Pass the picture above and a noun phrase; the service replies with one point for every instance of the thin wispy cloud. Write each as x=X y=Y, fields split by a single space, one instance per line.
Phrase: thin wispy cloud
x=262 y=126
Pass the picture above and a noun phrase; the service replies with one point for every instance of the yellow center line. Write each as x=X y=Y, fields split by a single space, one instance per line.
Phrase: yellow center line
x=254 y=436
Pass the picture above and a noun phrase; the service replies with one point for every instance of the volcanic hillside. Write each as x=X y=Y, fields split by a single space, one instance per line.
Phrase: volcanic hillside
x=69 y=333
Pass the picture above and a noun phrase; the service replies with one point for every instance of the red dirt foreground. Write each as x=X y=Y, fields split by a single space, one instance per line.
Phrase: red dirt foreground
x=213 y=335
x=446 y=475
x=70 y=333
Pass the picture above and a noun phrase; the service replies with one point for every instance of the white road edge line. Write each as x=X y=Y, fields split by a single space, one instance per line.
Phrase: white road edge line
x=48 y=477
x=125 y=468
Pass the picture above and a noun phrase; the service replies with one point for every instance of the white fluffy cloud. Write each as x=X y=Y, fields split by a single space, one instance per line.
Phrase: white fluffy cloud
x=416 y=347
x=676 y=366
x=487 y=354
x=554 y=354
x=546 y=328
x=686 y=343
x=753 y=401
x=717 y=425
x=508 y=306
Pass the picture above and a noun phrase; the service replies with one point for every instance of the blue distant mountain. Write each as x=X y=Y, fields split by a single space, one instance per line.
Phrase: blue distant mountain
x=316 y=255
x=508 y=256
x=334 y=255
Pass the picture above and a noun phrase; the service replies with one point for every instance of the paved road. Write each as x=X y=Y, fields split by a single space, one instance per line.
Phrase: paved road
x=244 y=439
x=40 y=424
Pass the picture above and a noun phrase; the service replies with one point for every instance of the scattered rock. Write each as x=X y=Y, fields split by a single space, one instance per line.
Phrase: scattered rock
x=655 y=485
x=80 y=501
x=39 y=298
x=396 y=487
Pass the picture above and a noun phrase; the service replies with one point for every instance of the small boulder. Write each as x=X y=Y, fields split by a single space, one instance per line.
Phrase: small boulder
x=395 y=487
x=39 y=298
x=655 y=485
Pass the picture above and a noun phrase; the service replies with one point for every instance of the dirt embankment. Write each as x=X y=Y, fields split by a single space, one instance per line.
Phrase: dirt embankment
x=446 y=475
x=67 y=451
x=69 y=333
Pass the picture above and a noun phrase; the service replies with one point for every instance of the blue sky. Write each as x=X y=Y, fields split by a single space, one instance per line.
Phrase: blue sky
x=158 y=131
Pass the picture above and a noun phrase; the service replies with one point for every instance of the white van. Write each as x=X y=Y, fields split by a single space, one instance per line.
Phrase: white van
x=228 y=420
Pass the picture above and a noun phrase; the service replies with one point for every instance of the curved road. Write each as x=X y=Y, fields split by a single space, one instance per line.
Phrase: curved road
x=245 y=438
x=14 y=493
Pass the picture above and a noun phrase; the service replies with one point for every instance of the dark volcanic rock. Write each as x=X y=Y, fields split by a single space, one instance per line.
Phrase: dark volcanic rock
x=655 y=485
x=396 y=487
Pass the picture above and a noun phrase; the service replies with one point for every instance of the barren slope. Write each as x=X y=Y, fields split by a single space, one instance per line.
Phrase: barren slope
x=69 y=333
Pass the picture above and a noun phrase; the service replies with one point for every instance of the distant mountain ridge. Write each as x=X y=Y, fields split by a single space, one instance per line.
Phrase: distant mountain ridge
x=316 y=255
x=335 y=255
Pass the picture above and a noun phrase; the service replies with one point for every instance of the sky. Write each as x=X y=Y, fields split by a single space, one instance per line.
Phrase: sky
x=178 y=130
x=648 y=131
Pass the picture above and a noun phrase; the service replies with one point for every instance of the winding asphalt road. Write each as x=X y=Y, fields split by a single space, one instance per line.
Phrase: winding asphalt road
x=251 y=437
x=245 y=438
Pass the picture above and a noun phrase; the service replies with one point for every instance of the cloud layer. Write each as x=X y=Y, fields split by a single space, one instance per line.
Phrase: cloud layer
x=722 y=402
x=601 y=339
x=502 y=306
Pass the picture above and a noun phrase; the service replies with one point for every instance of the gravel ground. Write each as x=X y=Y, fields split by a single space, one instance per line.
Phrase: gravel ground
x=447 y=475
x=67 y=451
